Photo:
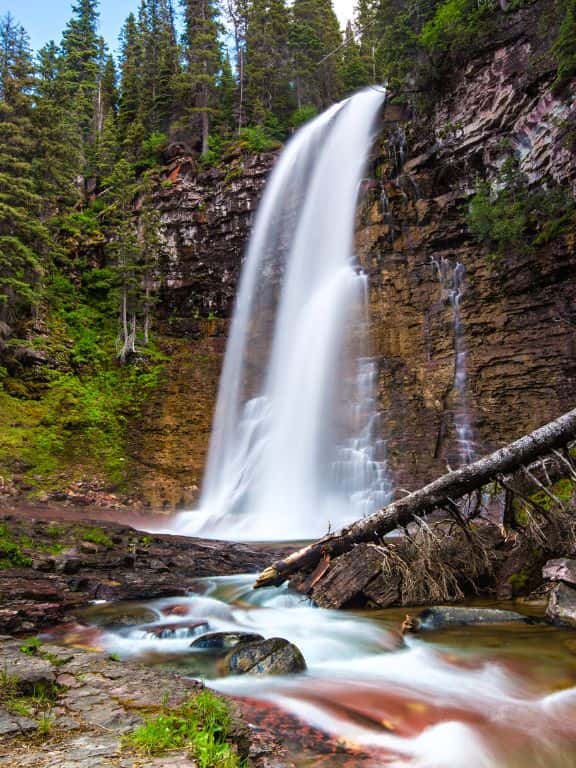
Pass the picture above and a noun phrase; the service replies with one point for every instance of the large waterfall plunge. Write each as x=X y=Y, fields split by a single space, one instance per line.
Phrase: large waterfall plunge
x=293 y=448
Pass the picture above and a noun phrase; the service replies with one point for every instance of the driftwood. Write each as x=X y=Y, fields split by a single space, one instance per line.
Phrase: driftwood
x=440 y=494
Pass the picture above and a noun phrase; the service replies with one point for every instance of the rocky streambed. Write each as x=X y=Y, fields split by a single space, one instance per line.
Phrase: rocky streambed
x=130 y=622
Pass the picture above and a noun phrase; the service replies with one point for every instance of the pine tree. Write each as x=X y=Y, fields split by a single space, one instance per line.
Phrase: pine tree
x=268 y=63
x=83 y=51
x=237 y=15
x=23 y=238
x=159 y=64
x=130 y=63
x=352 y=69
x=124 y=251
x=226 y=98
x=315 y=40
x=365 y=22
x=57 y=157
x=202 y=53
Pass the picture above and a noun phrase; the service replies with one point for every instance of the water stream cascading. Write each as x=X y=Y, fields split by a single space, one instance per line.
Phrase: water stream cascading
x=452 y=280
x=294 y=448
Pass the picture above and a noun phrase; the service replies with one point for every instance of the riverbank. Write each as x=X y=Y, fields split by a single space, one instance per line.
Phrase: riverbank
x=51 y=567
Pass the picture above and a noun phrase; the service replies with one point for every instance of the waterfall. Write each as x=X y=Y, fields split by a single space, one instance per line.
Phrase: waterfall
x=294 y=448
x=452 y=280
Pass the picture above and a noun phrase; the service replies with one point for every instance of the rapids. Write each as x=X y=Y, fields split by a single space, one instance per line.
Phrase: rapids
x=476 y=697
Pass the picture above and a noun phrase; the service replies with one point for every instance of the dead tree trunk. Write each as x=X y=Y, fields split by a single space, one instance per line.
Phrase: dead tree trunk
x=438 y=494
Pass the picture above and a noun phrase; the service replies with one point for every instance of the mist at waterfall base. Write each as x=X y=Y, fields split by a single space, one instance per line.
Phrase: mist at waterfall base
x=294 y=448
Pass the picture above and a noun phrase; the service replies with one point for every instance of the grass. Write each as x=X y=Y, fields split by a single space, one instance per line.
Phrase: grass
x=11 y=554
x=35 y=703
x=202 y=725
x=95 y=536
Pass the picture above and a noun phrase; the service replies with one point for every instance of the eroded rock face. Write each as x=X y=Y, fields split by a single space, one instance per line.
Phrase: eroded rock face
x=517 y=313
x=206 y=216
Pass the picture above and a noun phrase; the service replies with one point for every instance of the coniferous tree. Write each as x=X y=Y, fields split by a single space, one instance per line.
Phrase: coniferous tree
x=226 y=98
x=124 y=251
x=82 y=67
x=130 y=65
x=268 y=62
x=23 y=237
x=237 y=15
x=352 y=69
x=202 y=54
x=315 y=41
x=159 y=65
x=57 y=156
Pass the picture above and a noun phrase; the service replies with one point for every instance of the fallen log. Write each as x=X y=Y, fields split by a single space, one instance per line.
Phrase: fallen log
x=440 y=493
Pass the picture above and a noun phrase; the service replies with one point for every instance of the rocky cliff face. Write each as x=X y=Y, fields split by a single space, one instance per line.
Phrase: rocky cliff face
x=206 y=217
x=498 y=358
x=472 y=351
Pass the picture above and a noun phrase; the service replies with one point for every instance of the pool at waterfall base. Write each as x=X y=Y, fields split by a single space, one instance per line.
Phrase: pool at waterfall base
x=498 y=696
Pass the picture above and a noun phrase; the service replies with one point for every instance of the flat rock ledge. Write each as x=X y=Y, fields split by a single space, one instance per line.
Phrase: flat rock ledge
x=94 y=702
x=70 y=564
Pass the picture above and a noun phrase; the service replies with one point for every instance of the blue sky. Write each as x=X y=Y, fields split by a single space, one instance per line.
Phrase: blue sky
x=45 y=19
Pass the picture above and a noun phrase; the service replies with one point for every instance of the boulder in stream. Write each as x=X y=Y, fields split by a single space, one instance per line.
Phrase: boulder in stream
x=441 y=616
x=223 y=641
x=562 y=605
x=275 y=656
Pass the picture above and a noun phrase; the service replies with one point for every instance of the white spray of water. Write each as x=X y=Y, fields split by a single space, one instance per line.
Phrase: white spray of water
x=293 y=449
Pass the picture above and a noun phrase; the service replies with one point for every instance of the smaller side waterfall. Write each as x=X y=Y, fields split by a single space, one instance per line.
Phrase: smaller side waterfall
x=451 y=278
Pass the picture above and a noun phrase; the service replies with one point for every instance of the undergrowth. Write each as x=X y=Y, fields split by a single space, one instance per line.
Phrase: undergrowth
x=71 y=416
x=202 y=725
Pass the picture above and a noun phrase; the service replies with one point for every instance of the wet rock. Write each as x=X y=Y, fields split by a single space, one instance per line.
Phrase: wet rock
x=223 y=641
x=274 y=656
x=561 y=569
x=562 y=605
x=442 y=616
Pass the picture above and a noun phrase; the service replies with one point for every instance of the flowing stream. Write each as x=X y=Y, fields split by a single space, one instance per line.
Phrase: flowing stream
x=470 y=697
x=294 y=447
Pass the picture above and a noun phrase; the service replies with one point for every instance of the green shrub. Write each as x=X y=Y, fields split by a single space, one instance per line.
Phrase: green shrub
x=303 y=115
x=11 y=555
x=257 y=139
x=454 y=25
x=509 y=215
